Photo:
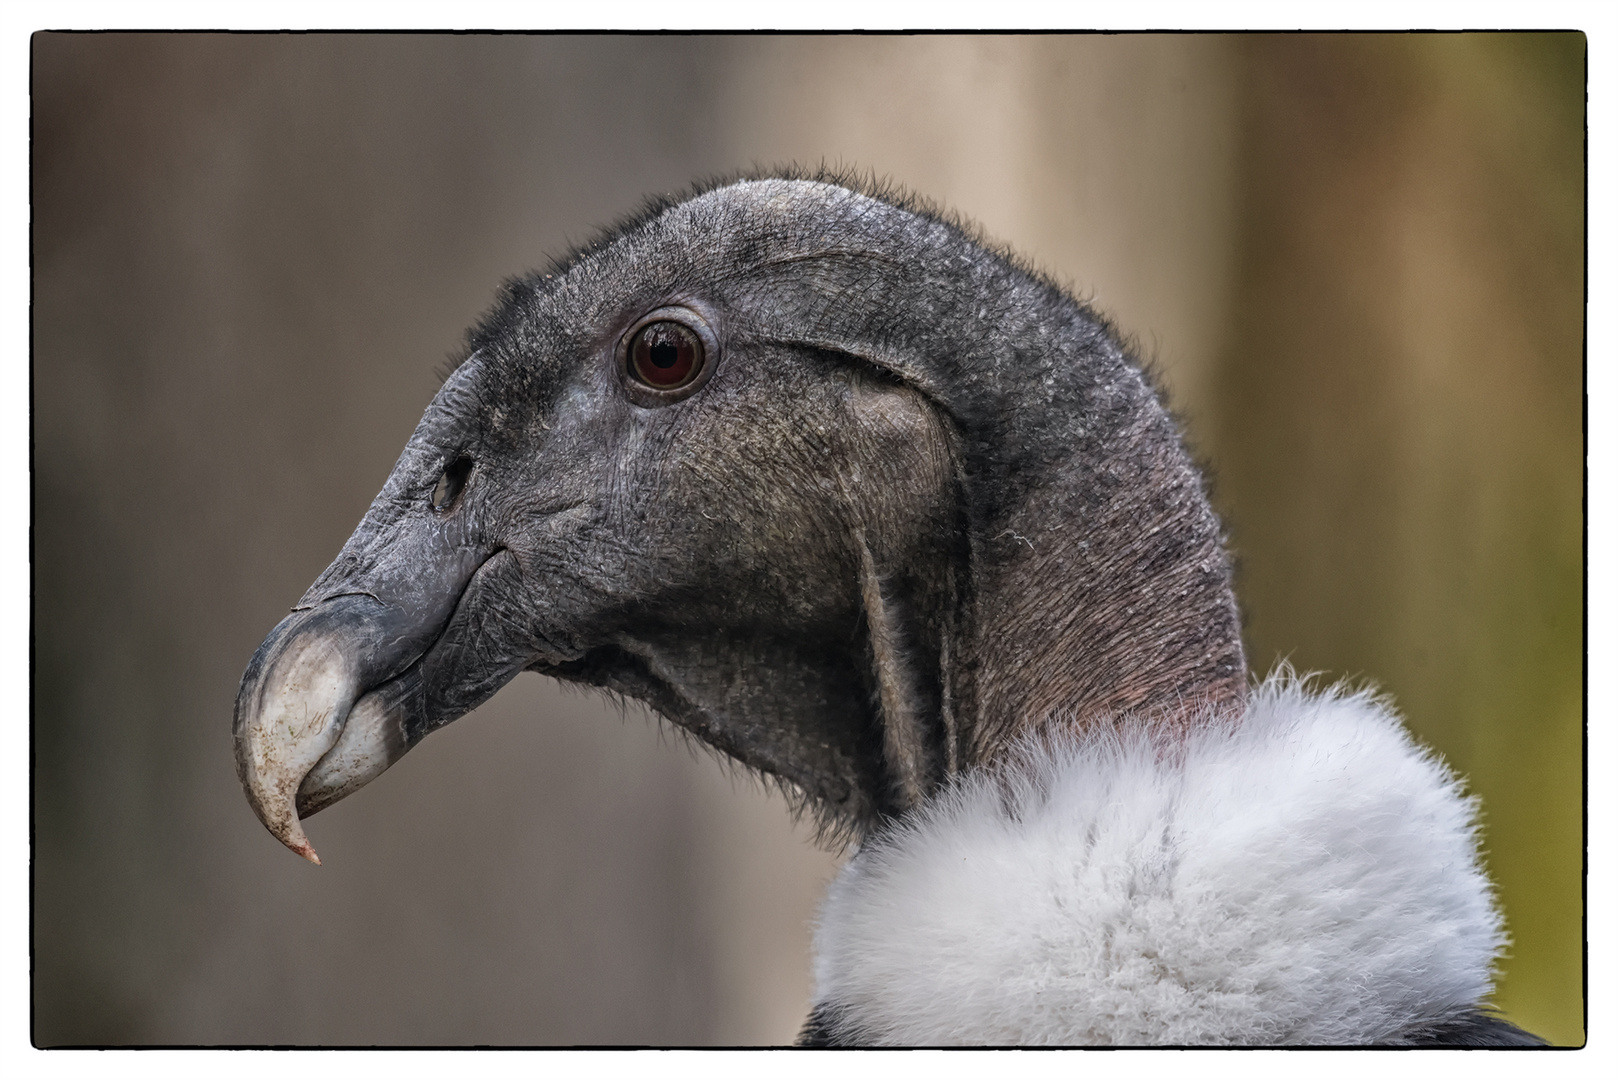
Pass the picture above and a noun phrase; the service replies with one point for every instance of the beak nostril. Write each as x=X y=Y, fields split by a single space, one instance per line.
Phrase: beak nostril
x=450 y=483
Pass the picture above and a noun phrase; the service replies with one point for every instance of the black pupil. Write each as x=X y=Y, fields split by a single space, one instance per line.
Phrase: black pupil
x=664 y=355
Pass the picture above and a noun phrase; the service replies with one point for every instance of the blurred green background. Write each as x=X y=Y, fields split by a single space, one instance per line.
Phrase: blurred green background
x=1355 y=260
x=1399 y=425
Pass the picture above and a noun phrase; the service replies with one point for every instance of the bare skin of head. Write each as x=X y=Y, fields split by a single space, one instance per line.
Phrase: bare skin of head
x=870 y=501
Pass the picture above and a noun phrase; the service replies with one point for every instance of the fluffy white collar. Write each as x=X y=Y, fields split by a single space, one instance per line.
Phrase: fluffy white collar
x=1303 y=874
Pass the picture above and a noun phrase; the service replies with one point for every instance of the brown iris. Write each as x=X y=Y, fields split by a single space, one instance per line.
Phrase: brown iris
x=666 y=355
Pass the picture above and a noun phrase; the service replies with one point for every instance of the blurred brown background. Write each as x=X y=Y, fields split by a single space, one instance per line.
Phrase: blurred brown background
x=1357 y=262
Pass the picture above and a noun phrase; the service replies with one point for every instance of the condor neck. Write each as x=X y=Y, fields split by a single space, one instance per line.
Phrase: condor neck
x=1099 y=581
x=1088 y=610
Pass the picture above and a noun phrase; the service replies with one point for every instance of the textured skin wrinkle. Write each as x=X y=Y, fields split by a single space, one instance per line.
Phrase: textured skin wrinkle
x=905 y=748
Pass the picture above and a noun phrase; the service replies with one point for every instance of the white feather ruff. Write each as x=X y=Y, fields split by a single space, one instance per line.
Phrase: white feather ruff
x=1306 y=874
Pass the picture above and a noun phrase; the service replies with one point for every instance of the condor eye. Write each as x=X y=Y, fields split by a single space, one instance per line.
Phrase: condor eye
x=667 y=356
x=450 y=483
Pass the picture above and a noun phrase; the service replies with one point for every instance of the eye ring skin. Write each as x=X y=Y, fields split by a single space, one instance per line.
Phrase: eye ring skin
x=651 y=397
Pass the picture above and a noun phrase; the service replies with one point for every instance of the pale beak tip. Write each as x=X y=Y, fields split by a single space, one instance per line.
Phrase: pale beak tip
x=300 y=845
x=289 y=831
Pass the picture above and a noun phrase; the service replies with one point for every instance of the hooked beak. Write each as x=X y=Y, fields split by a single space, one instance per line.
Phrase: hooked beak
x=342 y=689
x=316 y=716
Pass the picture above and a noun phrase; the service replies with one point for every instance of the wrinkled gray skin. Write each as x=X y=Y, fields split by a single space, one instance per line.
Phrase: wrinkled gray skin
x=924 y=502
